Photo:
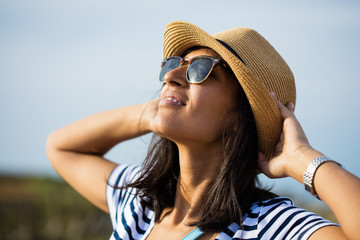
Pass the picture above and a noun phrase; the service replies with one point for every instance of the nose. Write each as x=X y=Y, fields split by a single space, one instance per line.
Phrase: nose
x=177 y=77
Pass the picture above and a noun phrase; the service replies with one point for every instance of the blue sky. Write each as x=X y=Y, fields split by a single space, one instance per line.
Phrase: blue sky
x=64 y=60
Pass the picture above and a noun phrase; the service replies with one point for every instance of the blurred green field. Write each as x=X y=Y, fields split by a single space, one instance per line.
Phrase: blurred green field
x=33 y=208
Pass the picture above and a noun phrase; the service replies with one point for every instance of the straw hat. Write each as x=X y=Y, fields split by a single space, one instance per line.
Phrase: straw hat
x=255 y=63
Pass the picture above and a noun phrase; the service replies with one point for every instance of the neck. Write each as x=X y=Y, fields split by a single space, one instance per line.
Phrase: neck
x=198 y=170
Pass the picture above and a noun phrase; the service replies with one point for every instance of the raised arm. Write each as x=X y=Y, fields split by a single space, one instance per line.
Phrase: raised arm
x=76 y=151
x=338 y=188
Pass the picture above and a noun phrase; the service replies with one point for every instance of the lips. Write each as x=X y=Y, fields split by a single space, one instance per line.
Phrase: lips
x=174 y=99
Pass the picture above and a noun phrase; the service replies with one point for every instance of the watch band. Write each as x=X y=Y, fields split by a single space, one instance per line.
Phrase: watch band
x=310 y=173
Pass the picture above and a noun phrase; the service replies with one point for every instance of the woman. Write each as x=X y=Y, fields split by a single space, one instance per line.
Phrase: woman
x=212 y=137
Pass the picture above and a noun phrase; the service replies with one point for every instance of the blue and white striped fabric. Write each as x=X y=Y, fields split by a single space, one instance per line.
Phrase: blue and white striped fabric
x=276 y=218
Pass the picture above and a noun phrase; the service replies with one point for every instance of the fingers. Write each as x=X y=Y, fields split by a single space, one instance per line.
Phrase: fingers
x=270 y=168
x=285 y=110
x=279 y=145
x=290 y=106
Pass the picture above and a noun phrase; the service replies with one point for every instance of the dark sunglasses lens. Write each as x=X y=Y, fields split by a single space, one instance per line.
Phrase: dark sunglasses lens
x=167 y=66
x=199 y=69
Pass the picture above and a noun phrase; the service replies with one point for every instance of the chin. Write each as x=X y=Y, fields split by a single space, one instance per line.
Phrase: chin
x=162 y=128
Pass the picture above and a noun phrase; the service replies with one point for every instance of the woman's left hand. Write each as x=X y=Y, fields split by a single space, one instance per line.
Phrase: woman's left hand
x=338 y=188
x=292 y=145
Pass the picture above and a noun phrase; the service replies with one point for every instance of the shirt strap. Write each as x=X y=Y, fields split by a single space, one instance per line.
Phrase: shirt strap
x=194 y=234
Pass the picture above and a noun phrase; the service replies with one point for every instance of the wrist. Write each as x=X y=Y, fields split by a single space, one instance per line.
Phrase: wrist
x=311 y=170
x=301 y=160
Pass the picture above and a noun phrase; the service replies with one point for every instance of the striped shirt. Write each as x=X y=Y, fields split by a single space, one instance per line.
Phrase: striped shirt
x=276 y=218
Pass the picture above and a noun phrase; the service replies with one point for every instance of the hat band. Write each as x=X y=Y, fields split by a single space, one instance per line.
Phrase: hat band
x=230 y=49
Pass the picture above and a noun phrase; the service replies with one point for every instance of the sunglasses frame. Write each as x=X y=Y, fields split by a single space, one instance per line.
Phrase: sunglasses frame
x=215 y=61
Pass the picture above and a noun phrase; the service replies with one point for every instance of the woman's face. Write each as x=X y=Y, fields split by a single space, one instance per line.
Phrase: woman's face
x=196 y=113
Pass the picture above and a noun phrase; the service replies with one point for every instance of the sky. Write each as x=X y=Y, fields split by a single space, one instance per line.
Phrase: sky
x=64 y=60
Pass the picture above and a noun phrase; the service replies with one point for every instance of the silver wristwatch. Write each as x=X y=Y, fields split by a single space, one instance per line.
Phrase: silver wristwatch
x=310 y=172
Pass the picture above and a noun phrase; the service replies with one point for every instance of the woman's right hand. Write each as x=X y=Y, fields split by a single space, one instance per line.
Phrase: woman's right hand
x=76 y=151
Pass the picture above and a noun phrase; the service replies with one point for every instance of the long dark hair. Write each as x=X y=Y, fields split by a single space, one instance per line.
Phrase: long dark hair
x=233 y=190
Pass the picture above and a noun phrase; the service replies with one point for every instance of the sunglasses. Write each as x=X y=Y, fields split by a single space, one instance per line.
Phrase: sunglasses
x=198 y=70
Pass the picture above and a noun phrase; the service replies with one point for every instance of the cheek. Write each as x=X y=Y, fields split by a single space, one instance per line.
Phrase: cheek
x=216 y=103
x=212 y=115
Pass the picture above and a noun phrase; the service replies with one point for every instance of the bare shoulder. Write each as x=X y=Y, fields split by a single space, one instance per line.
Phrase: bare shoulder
x=328 y=232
